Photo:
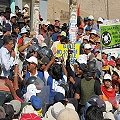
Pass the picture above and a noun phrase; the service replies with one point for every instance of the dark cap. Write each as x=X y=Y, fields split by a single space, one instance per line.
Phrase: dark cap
x=44 y=60
x=35 y=40
x=8 y=9
x=17 y=8
x=7 y=27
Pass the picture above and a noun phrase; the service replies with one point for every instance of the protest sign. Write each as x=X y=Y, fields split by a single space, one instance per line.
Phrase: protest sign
x=110 y=36
x=62 y=50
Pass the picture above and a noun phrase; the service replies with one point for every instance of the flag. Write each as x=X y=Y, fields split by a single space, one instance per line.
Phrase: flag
x=78 y=10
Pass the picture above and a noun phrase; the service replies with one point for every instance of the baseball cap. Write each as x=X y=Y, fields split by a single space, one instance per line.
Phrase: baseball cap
x=12 y=15
x=28 y=109
x=30 y=116
x=16 y=105
x=90 y=17
x=86 y=19
x=94 y=32
x=17 y=8
x=107 y=77
x=44 y=60
x=36 y=102
x=32 y=88
x=87 y=46
x=56 y=108
x=8 y=9
x=100 y=19
x=7 y=27
x=23 y=30
x=26 y=6
x=67 y=114
x=35 y=40
x=58 y=97
x=33 y=59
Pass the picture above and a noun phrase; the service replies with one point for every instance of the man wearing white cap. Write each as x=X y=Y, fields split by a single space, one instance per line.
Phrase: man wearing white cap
x=90 y=21
x=96 y=27
x=32 y=68
x=87 y=50
x=26 y=8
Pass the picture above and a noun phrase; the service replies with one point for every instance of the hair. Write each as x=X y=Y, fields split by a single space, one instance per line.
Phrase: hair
x=14 y=34
x=64 y=39
x=94 y=113
x=7 y=39
x=56 y=71
x=51 y=27
x=14 y=26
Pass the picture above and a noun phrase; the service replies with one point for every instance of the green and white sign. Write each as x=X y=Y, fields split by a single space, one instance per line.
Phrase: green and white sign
x=110 y=36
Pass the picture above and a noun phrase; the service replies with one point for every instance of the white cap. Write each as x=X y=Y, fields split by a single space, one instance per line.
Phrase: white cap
x=91 y=17
x=33 y=59
x=23 y=30
x=44 y=22
x=32 y=88
x=82 y=59
x=12 y=15
x=87 y=46
x=94 y=32
x=100 y=19
x=107 y=77
x=26 y=5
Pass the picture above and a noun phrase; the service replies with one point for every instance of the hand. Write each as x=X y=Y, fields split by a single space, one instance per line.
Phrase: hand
x=53 y=59
x=62 y=59
x=72 y=80
x=16 y=70
x=13 y=54
x=30 y=43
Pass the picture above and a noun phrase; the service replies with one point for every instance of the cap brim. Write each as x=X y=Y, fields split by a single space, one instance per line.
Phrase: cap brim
x=38 y=91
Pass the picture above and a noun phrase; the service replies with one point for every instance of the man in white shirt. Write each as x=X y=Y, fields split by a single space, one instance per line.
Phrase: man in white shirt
x=7 y=55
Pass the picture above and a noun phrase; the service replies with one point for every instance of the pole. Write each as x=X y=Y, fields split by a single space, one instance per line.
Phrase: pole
x=31 y=13
x=107 y=10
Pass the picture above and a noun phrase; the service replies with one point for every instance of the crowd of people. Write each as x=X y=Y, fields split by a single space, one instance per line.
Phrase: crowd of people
x=35 y=84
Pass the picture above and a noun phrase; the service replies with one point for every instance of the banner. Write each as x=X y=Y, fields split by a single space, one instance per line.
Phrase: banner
x=62 y=50
x=110 y=36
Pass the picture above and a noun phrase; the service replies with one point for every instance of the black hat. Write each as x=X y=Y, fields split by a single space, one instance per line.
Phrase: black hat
x=8 y=9
x=17 y=8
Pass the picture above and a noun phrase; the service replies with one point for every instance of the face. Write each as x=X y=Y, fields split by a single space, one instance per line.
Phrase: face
x=16 y=11
x=87 y=51
x=51 y=33
x=16 y=30
x=87 y=32
x=9 y=46
x=31 y=66
x=116 y=88
x=13 y=20
x=90 y=22
x=56 y=29
x=98 y=45
x=93 y=36
x=78 y=71
x=107 y=83
x=25 y=20
x=114 y=77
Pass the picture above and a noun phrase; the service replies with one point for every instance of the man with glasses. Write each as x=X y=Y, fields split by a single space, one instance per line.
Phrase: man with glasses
x=7 y=55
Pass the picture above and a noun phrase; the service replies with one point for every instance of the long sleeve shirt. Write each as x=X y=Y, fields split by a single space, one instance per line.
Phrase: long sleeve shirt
x=6 y=61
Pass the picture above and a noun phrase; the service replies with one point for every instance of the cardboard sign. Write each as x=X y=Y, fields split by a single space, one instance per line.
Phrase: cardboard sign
x=62 y=50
